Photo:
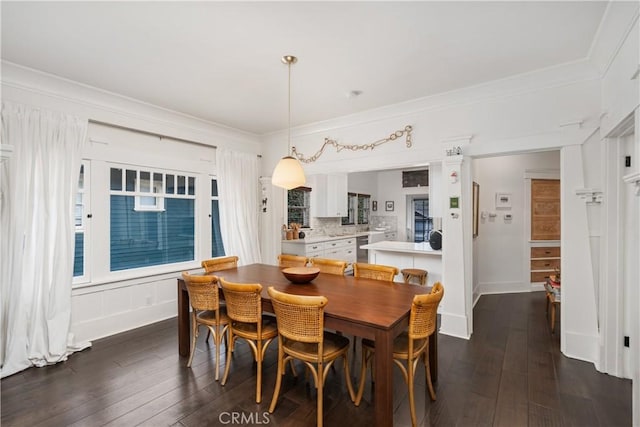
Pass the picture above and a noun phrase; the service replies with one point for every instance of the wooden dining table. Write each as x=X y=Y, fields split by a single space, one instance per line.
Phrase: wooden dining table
x=366 y=308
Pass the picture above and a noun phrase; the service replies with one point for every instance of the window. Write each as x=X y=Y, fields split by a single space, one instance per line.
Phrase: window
x=358 y=209
x=418 y=178
x=352 y=207
x=217 y=249
x=298 y=202
x=150 y=226
x=80 y=214
x=364 y=203
x=422 y=222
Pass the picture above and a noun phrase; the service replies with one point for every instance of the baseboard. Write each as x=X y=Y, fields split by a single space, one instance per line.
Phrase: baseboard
x=582 y=347
x=490 y=288
x=120 y=322
x=454 y=325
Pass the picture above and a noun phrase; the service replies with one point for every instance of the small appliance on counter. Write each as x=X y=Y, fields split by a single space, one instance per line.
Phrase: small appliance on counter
x=435 y=240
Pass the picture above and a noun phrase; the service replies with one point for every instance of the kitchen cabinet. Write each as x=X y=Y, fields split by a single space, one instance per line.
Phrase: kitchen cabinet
x=328 y=195
x=390 y=236
x=343 y=249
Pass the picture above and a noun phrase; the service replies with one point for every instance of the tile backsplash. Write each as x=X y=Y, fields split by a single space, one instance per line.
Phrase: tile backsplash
x=333 y=226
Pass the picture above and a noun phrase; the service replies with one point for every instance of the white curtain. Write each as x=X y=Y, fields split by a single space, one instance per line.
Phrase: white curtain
x=238 y=187
x=39 y=187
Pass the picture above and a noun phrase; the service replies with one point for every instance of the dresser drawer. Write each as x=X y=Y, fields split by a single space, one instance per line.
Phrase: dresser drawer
x=343 y=243
x=545 y=252
x=540 y=276
x=545 y=264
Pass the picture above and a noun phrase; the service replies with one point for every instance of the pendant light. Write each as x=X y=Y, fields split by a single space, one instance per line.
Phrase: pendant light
x=288 y=173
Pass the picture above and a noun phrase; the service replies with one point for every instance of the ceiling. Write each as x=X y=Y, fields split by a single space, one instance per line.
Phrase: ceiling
x=220 y=61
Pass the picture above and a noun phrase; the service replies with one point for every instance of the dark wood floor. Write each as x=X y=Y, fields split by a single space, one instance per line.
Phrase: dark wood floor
x=510 y=373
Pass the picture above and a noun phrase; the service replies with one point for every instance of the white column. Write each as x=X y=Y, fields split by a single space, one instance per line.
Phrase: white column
x=579 y=324
x=455 y=308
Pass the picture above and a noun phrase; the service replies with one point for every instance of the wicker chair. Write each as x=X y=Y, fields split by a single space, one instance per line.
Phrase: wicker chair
x=374 y=271
x=244 y=308
x=220 y=263
x=302 y=337
x=410 y=345
x=204 y=298
x=292 y=261
x=331 y=266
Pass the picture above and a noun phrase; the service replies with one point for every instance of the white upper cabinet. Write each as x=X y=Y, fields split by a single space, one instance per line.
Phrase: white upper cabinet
x=620 y=83
x=328 y=195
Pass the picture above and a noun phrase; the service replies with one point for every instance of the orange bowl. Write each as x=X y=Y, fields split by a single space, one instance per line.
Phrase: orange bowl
x=301 y=274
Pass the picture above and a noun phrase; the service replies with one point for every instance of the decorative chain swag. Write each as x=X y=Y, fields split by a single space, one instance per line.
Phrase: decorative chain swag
x=354 y=147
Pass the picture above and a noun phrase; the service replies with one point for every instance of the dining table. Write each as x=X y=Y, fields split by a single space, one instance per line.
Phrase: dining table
x=367 y=308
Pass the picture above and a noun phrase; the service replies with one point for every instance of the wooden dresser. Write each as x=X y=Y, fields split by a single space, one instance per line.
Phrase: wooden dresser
x=544 y=261
x=545 y=228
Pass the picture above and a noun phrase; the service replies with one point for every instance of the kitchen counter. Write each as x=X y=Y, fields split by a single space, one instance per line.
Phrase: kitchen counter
x=408 y=247
x=320 y=239
x=407 y=255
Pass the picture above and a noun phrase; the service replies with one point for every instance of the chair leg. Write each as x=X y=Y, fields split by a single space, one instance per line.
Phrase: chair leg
x=227 y=362
x=194 y=338
x=347 y=375
x=259 y=380
x=320 y=386
x=279 y=375
x=218 y=340
x=410 y=378
x=363 y=377
x=427 y=368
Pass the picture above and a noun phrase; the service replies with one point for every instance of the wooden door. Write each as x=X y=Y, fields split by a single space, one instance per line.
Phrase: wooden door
x=545 y=209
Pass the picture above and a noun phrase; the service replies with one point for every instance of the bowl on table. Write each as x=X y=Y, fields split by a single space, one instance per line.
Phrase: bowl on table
x=300 y=274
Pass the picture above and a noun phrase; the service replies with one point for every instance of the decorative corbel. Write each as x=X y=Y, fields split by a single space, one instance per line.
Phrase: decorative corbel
x=590 y=195
x=633 y=179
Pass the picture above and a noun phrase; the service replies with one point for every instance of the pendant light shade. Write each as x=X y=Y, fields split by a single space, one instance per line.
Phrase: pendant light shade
x=288 y=173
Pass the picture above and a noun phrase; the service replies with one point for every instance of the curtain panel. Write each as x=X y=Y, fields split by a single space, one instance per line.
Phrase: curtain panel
x=238 y=185
x=39 y=186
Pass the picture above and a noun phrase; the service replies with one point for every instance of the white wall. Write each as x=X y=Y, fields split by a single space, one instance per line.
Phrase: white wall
x=363 y=183
x=500 y=256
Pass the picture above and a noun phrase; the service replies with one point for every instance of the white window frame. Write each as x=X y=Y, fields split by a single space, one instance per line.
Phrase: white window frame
x=211 y=198
x=85 y=226
x=159 y=195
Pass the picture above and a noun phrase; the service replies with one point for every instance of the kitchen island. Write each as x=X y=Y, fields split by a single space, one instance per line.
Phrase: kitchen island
x=407 y=255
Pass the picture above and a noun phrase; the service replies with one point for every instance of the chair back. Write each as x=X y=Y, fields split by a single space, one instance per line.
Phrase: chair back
x=203 y=291
x=331 y=266
x=374 y=271
x=424 y=310
x=244 y=303
x=292 y=260
x=299 y=318
x=221 y=263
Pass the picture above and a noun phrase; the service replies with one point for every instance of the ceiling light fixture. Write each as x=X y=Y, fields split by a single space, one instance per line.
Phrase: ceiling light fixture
x=288 y=173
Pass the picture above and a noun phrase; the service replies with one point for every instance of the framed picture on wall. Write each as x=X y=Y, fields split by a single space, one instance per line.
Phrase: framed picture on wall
x=503 y=201
x=374 y=205
x=388 y=206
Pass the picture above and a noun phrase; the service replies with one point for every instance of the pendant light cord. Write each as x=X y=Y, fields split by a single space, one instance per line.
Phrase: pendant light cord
x=289 y=113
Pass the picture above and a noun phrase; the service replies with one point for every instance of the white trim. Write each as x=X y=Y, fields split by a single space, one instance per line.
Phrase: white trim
x=633 y=179
x=585 y=347
x=456 y=325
